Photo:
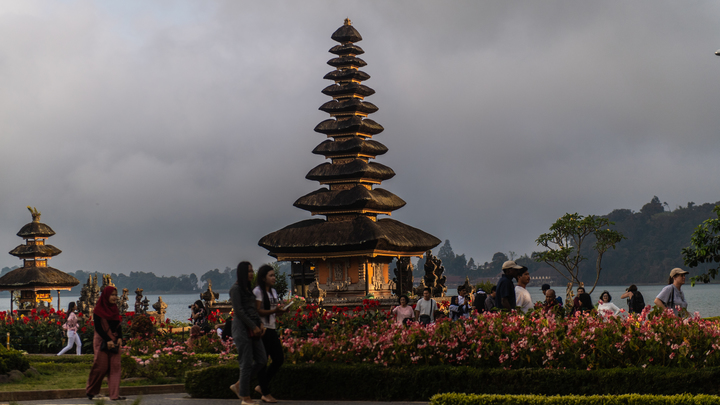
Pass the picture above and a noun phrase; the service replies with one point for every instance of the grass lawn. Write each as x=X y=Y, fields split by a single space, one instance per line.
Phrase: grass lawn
x=64 y=372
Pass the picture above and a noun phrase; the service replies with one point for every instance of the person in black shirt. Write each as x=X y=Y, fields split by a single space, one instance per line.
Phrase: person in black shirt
x=505 y=288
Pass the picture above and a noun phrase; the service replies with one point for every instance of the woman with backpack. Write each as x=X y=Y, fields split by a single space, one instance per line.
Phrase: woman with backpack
x=672 y=296
x=635 y=300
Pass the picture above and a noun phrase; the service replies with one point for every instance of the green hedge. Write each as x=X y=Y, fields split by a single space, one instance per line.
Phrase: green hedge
x=326 y=381
x=472 y=399
x=11 y=359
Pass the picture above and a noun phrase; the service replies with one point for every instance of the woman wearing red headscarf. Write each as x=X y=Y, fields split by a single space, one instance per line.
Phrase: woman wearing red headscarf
x=106 y=344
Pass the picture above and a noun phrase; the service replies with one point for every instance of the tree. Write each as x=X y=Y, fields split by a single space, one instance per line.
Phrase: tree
x=281 y=283
x=704 y=248
x=566 y=238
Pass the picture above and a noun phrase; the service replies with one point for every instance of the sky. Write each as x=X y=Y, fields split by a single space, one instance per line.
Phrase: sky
x=170 y=136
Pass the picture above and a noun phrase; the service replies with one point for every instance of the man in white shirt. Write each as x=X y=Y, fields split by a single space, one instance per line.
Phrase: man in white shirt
x=425 y=308
x=523 y=299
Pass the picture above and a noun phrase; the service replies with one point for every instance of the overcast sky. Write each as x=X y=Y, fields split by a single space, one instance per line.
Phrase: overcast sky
x=170 y=136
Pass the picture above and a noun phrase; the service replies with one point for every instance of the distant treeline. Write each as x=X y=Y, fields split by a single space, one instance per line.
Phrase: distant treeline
x=655 y=237
x=152 y=284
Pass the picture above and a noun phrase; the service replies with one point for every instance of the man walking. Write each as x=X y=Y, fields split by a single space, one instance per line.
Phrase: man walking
x=524 y=301
x=505 y=287
x=425 y=308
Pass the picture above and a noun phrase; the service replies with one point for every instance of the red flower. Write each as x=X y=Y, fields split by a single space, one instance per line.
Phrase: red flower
x=83 y=330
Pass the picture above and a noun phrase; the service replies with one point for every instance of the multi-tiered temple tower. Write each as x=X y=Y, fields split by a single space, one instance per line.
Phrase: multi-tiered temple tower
x=348 y=253
x=35 y=280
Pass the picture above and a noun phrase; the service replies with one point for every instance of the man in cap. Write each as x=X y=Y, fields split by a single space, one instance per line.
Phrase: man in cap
x=544 y=289
x=505 y=288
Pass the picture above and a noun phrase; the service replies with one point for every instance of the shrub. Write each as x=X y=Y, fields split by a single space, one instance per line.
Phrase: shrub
x=464 y=399
x=12 y=360
x=369 y=382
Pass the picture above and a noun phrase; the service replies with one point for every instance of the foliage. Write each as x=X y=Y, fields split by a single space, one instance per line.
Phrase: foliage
x=565 y=241
x=655 y=239
x=312 y=320
x=705 y=248
x=281 y=285
x=485 y=286
x=11 y=359
x=39 y=331
x=369 y=382
x=506 y=340
x=473 y=399
x=141 y=326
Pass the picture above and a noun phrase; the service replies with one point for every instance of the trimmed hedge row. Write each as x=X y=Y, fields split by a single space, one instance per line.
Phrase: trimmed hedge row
x=11 y=359
x=327 y=381
x=472 y=399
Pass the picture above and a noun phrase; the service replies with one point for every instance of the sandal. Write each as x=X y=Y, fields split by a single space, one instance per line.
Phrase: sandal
x=234 y=388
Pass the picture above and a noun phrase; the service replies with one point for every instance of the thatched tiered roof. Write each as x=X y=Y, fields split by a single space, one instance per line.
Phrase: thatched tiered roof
x=35 y=274
x=37 y=278
x=350 y=204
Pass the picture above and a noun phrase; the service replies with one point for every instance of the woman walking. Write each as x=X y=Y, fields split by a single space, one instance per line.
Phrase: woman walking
x=671 y=296
x=247 y=333
x=267 y=303
x=71 y=327
x=106 y=343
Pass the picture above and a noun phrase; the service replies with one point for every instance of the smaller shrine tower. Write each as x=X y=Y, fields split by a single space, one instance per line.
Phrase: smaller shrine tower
x=35 y=280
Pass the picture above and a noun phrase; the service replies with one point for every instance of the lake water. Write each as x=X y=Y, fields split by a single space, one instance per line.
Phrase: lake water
x=702 y=298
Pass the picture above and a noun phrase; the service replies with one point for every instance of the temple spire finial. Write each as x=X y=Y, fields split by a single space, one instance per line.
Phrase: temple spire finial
x=347 y=21
x=35 y=213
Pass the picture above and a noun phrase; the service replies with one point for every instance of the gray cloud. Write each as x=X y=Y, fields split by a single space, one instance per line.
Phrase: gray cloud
x=171 y=136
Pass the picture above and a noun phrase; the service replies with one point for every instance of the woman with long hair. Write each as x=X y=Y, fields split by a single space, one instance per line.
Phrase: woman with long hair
x=671 y=296
x=247 y=333
x=71 y=326
x=106 y=344
x=605 y=305
x=268 y=304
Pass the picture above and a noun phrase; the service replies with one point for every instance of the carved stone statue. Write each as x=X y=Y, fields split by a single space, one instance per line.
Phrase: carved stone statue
x=138 y=301
x=123 y=301
x=316 y=293
x=145 y=305
x=106 y=281
x=433 y=278
x=209 y=296
x=89 y=295
x=160 y=306
x=403 y=276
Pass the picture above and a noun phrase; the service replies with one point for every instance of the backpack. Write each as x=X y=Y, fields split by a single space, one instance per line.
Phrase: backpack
x=638 y=302
x=479 y=301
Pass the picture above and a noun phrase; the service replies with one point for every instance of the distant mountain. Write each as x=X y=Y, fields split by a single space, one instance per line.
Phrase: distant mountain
x=653 y=246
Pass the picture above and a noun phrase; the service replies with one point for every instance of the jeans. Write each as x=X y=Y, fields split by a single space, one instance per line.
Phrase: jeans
x=274 y=350
x=73 y=339
x=251 y=356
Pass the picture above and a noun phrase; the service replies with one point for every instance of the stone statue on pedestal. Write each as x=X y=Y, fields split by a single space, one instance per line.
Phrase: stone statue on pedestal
x=160 y=306
x=138 y=301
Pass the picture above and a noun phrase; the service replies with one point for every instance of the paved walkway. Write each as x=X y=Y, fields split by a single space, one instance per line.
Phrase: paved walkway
x=184 y=399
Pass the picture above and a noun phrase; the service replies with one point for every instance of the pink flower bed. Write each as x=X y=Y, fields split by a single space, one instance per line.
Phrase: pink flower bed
x=507 y=340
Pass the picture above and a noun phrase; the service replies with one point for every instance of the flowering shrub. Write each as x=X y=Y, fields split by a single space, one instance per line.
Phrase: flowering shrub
x=507 y=340
x=40 y=331
x=156 y=358
x=311 y=320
